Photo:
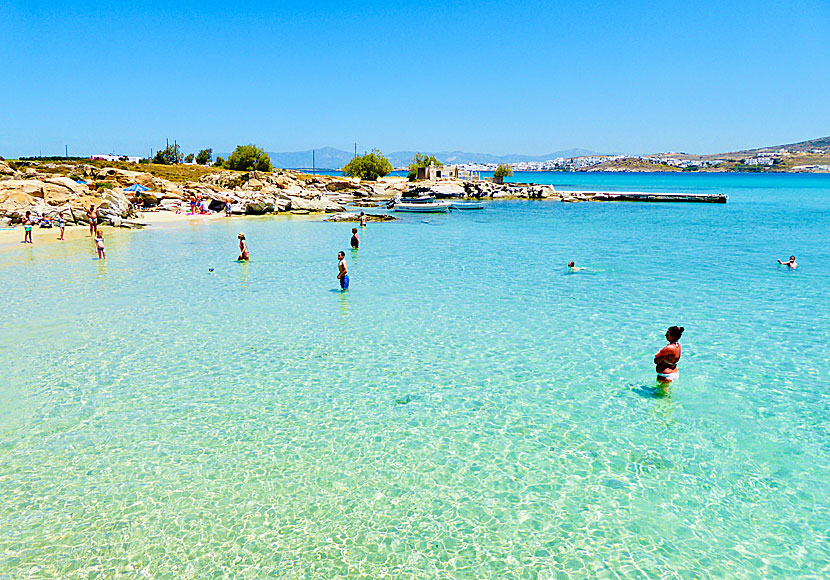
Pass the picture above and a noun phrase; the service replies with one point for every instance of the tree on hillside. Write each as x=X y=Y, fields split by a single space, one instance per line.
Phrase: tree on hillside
x=368 y=166
x=189 y=158
x=170 y=155
x=249 y=158
x=219 y=162
x=204 y=157
x=421 y=161
x=502 y=171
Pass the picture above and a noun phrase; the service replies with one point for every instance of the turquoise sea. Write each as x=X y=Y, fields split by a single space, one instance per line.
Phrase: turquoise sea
x=468 y=409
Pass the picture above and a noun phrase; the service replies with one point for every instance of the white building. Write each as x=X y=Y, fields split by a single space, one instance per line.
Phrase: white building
x=127 y=158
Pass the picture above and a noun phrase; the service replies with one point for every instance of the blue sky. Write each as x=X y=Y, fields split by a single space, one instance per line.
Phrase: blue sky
x=498 y=77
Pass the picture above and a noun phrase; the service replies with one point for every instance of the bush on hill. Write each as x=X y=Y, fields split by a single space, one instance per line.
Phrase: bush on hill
x=204 y=157
x=249 y=158
x=189 y=158
x=170 y=155
x=369 y=166
x=219 y=162
x=502 y=171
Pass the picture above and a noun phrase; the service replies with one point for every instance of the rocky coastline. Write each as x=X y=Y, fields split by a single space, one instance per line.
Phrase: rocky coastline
x=50 y=190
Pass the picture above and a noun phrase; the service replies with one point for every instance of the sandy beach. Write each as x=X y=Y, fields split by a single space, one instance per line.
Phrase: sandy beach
x=11 y=238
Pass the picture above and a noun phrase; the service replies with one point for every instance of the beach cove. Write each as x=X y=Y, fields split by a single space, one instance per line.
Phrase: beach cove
x=468 y=409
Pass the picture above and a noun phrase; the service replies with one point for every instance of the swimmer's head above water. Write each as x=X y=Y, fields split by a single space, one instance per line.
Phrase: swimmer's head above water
x=571 y=264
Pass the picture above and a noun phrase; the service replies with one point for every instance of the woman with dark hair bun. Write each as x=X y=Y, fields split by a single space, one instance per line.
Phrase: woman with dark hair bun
x=666 y=360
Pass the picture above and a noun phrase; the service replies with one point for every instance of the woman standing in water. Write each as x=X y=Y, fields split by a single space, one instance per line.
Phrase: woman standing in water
x=244 y=256
x=667 y=358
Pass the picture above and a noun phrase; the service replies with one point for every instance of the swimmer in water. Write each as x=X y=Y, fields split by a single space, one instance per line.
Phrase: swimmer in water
x=244 y=256
x=363 y=220
x=573 y=268
x=667 y=358
x=790 y=264
x=342 y=271
x=355 y=241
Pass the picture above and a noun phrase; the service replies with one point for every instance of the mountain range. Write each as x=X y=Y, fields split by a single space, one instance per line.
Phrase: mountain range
x=331 y=158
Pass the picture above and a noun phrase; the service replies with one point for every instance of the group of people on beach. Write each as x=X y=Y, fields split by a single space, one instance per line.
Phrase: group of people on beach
x=342 y=267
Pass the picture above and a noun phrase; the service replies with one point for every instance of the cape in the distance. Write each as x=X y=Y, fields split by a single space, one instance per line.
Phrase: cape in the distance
x=811 y=155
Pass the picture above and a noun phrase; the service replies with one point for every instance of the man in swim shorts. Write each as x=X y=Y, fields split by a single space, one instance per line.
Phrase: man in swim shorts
x=363 y=220
x=790 y=263
x=342 y=271
x=92 y=214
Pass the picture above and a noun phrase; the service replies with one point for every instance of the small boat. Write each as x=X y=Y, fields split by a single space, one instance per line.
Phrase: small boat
x=422 y=199
x=422 y=207
x=466 y=205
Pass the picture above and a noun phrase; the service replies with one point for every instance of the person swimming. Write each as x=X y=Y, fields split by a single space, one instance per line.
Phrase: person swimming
x=342 y=271
x=667 y=358
x=791 y=264
x=355 y=241
x=244 y=256
x=573 y=268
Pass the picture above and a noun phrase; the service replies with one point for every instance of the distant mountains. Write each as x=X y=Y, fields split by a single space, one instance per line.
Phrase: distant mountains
x=331 y=158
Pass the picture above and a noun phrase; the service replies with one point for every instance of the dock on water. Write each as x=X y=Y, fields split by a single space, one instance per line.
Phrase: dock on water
x=642 y=196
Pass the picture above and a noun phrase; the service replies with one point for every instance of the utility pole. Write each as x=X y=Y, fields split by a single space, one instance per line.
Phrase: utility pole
x=175 y=152
x=66 y=151
x=355 y=150
x=313 y=163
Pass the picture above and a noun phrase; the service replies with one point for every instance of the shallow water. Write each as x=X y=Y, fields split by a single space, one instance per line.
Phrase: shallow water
x=467 y=410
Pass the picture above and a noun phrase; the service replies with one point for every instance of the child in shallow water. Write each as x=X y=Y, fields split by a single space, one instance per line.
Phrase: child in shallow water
x=99 y=245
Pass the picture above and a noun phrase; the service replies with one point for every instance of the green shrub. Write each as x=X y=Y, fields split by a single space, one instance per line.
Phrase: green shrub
x=204 y=156
x=249 y=158
x=189 y=158
x=502 y=171
x=170 y=155
x=219 y=162
x=369 y=166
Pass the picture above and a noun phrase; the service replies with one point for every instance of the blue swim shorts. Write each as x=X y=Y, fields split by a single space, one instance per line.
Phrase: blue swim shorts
x=344 y=282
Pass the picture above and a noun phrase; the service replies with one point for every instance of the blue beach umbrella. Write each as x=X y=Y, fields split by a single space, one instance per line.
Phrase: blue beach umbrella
x=137 y=188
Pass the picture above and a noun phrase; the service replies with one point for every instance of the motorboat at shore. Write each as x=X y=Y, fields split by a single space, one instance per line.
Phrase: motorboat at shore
x=466 y=205
x=422 y=207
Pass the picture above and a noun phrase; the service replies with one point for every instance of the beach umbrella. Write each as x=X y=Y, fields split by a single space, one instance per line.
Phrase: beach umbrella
x=137 y=188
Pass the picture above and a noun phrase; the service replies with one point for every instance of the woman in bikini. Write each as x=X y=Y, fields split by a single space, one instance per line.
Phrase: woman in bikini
x=666 y=360
x=243 y=249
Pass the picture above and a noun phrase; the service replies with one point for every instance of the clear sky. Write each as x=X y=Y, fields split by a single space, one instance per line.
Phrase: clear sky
x=498 y=77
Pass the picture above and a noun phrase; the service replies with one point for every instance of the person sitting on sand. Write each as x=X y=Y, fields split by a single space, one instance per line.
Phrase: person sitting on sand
x=28 y=222
x=667 y=358
x=99 y=245
x=342 y=271
x=363 y=220
x=92 y=214
x=790 y=264
x=355 y=241
x=244 y=256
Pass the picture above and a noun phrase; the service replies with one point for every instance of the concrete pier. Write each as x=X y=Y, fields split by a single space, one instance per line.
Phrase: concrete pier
x=643 y=196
